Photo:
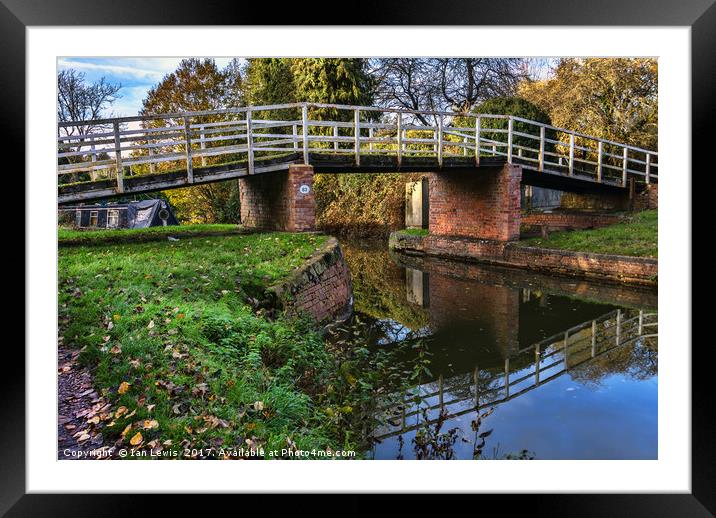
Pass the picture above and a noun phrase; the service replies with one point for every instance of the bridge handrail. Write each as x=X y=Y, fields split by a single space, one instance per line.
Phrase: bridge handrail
x=244 y=109
x=242 y=135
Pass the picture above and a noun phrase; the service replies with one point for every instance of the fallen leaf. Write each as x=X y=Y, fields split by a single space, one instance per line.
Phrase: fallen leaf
x=150 y=424
x=151 y=324
x=120 y=411
x=123 y=387
x=136 y=439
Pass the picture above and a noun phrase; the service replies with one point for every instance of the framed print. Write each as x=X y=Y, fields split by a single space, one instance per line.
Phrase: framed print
x=371 y=246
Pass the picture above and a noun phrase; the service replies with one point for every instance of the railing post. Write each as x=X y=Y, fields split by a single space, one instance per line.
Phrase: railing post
x=464 y=146
x=541 y=148
x=507 y=377
x=641 y=322
x=304 y=116
x=118 y=158
x=335 y=138
x=600 y=149
x=440 y=140
x=625 y=164
x=566 y=349
x=509 y=139
x=440 y=390
x=475 y=378
x=370 y=139
x=93 y=151
x=250 y=141
x=294 y=130
x=538 y=359
x=400 y=137
x=647 y=170
x=619 y=327
x=403 y=412
x=477 y=141
x=152 y=165
x=571 y=154
x=189 y=164
x=357 y=135
x=202 y=145
x=594 y=338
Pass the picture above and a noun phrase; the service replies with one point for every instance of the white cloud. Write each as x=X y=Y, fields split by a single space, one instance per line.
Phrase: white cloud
x=116 y=70
x=130 y=101
x=136 y=74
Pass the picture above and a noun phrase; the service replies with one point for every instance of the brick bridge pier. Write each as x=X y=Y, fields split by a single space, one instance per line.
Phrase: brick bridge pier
x=279 y=200
x=483 y=203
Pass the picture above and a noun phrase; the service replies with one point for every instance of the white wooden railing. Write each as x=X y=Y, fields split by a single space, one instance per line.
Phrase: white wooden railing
x=554 y=356
x=128 y=146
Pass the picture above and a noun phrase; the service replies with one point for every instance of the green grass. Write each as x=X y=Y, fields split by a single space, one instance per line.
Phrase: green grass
x=67 y=236
x=637 y=237
x=414 y=231
x=203 y=367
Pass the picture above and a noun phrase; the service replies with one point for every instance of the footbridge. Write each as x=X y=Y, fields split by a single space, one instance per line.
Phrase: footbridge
x=274 y=150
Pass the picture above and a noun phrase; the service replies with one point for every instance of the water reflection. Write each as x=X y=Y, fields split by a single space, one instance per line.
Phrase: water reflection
x=512 y=365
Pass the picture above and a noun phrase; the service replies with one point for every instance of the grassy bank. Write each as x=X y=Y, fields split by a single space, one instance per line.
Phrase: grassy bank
x=66 y=236
x=414 y=231
x=184 y=353
x=637 y=237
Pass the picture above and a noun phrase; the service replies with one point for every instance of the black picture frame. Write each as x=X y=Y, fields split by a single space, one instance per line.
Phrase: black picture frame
x=700 y=15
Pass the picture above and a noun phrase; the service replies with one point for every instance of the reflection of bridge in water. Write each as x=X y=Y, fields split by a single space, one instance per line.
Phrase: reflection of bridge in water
x=524 y=370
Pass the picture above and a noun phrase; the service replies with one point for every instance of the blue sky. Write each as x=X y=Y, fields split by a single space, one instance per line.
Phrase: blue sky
x=138 y=75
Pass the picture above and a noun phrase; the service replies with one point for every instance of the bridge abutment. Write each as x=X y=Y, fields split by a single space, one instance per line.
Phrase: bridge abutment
x=279 y=200
x=484 y=203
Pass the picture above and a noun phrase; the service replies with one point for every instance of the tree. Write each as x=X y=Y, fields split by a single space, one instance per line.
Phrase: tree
x=511 y=106
x=269 y=81
x=234 y=81
x=196 y=85
x=79 y=101
x=609 y=98
x=333 y=81
x=443 y=84
x=466 y=81
x=199 y=85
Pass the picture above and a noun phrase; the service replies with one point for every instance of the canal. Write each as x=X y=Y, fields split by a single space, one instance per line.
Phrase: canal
x=492 y=363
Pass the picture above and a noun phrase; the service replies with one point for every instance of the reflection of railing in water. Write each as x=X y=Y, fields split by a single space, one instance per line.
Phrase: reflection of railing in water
x=594 y=337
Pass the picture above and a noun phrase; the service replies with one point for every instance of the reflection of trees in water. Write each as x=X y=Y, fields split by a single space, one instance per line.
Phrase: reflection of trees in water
x=391 y=331
x=637 y=360
x=379 y=287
